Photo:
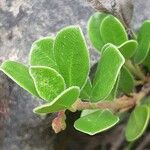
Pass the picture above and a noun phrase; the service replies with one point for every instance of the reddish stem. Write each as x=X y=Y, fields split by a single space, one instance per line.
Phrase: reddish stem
x=58 y=123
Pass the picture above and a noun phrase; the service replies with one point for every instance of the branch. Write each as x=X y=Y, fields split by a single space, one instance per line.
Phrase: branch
x=136 y=71
x=123 y=103
x=117 y=105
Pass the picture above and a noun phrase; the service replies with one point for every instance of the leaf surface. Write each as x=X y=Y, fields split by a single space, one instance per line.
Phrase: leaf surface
x=146 y=101
x=87 y=112
x=114 y=92
x=61 y=102
x=86 y=91
x=137 y=123
x=105 y=46
x=147 y=61
x=107 y=72
x=112 y=31
x=143 y=42
x=128 y=48
x=96 y=122
x=126 y=82
x=20 y=74
x=72 y=56
x=93 y=29
x=48 y=82
x=42 y=53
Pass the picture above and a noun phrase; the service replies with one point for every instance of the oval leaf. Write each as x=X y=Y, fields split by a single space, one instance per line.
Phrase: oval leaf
x=48 y=82
x=143 y=42
x=20 y=74
x=113 y=94
x=147 y=61
x=72 y=56
x=86 y=91
x=61 y=102
x=96 y=122
x=112 y=31
x=126 y=82
x=137 y=123
x=93 y=29
x=107 y=72
x=128 y=48
x=42 y=53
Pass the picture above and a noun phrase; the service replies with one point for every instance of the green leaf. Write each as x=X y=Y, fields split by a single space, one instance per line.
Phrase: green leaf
x=61 y=102
x=20 y=74
x=128 y=48
x=48 y=82
x=42 y=53
x=112 y=31
x=146 y=101
x=105 y=46
x=72 y=56
x=137 y=123
x=126 y=82
x=93 y=29
x=87 y=112
x=147 y=61
x=96 y=122
x=107 y=72
x=143 y=42
x=86 y=91
x=113 y=93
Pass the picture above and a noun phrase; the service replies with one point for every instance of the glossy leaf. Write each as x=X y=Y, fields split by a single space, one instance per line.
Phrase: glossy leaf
x=144 y=43
x=93 y=29
x=112 y=31
x=128 y=48
x=107 y=72
x=137 y=123
x=42 y=53
x=61 y=102
x=96 y=122
x=126 y=82
x=72 y=56
x=48 y=82
x=86 y=91
x=20 y=74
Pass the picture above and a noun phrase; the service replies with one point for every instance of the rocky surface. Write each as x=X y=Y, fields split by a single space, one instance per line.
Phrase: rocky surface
x=141 y=12
x=21 y=23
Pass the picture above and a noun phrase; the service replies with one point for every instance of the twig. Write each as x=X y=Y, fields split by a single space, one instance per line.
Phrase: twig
x=117 y=105
x=58 y=123
x=136 y=71
x=122 y=104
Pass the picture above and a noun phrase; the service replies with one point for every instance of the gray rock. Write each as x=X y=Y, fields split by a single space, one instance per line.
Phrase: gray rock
x=21 y=23
x=141 y=13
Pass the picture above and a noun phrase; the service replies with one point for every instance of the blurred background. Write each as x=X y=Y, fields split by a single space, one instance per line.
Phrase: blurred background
x=21 y=23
